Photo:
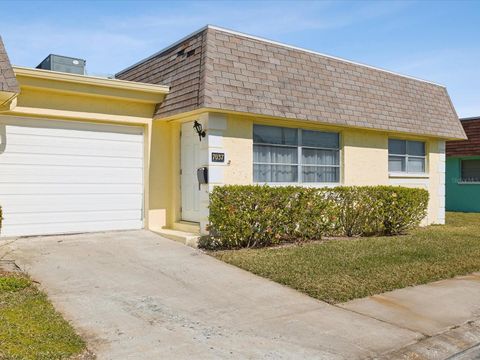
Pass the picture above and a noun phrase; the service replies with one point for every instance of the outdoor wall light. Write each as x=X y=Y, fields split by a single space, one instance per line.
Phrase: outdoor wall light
x=199 y=129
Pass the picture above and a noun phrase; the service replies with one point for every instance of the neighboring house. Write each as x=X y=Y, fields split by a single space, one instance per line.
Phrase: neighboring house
x=463 y=169
x=272 y=114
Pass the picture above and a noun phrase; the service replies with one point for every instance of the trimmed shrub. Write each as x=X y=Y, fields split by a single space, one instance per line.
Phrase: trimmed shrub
x=256 y=216
x=402 y=208
x=356 y=210
x=377 y=210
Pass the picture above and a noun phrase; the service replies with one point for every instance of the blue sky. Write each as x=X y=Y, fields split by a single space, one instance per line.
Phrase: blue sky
x=433 y=40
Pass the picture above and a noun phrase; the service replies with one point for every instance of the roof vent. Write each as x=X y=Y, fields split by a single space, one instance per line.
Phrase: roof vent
x=63 y=64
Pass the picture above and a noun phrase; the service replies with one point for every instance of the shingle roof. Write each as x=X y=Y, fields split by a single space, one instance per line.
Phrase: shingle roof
x=8 y=82
x=222 y=69
x=470 y=147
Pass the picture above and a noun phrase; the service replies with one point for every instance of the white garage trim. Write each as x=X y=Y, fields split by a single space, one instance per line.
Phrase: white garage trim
x=67 y=176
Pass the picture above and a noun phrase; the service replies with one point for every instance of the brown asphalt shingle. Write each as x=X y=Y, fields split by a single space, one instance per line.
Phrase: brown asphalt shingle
x=241 y=73
x=470 y=147
x=8 y=82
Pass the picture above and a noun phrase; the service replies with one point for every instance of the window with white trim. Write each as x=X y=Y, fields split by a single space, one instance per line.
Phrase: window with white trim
x=405 y=156
x=290 y=155
x=471 y=170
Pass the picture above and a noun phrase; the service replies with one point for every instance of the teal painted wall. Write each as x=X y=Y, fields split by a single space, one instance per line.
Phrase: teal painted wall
x=460 y=197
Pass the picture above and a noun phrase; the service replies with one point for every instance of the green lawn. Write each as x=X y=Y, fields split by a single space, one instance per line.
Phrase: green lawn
x=30 y=328
x=343 y=269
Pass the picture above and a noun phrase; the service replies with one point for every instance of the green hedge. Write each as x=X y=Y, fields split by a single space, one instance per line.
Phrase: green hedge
x=255 y=216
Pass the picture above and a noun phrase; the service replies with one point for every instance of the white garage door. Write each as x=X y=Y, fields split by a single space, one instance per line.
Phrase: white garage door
x=64 y=176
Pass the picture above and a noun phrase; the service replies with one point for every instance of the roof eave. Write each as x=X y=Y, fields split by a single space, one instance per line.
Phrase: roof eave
x=201 y=110
x=90 y=85
x=8 y=100
x=472 y=118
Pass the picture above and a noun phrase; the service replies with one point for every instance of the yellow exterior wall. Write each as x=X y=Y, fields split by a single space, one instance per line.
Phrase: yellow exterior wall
x=364 y=156
x=164 y=175
x=238 y=143
x=433 y=184
x=45 y=99
x=436 y=168
x=51 y=94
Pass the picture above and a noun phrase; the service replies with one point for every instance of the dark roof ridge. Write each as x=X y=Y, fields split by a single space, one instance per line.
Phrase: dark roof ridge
x=470 y=118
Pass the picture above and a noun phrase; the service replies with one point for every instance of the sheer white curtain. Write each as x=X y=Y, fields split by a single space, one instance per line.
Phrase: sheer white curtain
x=276 y=154
x=274 y=163
x=321 y=172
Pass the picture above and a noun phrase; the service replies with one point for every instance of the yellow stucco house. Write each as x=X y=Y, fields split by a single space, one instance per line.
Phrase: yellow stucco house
x=81 y=153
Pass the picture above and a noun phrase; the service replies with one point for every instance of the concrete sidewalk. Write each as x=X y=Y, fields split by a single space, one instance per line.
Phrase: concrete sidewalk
x=428 y=309
x=136 y=295
x=458 y=343
x=446 y=312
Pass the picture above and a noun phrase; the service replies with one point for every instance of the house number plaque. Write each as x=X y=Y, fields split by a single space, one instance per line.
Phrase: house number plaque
x=218 y=157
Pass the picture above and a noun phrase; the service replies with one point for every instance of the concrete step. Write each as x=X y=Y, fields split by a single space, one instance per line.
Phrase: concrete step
x=187 y=226
x=187 y=238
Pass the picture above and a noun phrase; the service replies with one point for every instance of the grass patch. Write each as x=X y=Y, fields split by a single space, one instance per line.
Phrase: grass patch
x=30 y=328
x=13 y=283
x=344 y=269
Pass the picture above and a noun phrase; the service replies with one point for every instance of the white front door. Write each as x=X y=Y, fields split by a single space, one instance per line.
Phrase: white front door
x=190 y=161
x=66 y=176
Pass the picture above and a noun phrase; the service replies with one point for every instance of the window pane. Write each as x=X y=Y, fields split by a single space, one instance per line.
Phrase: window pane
x=416 y=148
x=320 y=174
x=274 y=135
x=274 y=173
x=274 y=154
x=320 y=157
x=320 y=139
x=397 y=147
x=396 y=164
x=416 y=165
x=470 y=170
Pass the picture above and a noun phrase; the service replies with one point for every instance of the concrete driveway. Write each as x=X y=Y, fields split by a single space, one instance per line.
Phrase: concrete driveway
x=136 y=295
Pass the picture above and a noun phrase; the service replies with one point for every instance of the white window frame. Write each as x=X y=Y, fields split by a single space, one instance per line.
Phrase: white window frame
x=299 y=164
x=406 y=157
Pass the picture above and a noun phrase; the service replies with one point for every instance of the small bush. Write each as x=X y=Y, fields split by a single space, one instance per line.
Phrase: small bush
x=377 y=210
x=356 y=209
x=402 y=209
x=257 y=216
